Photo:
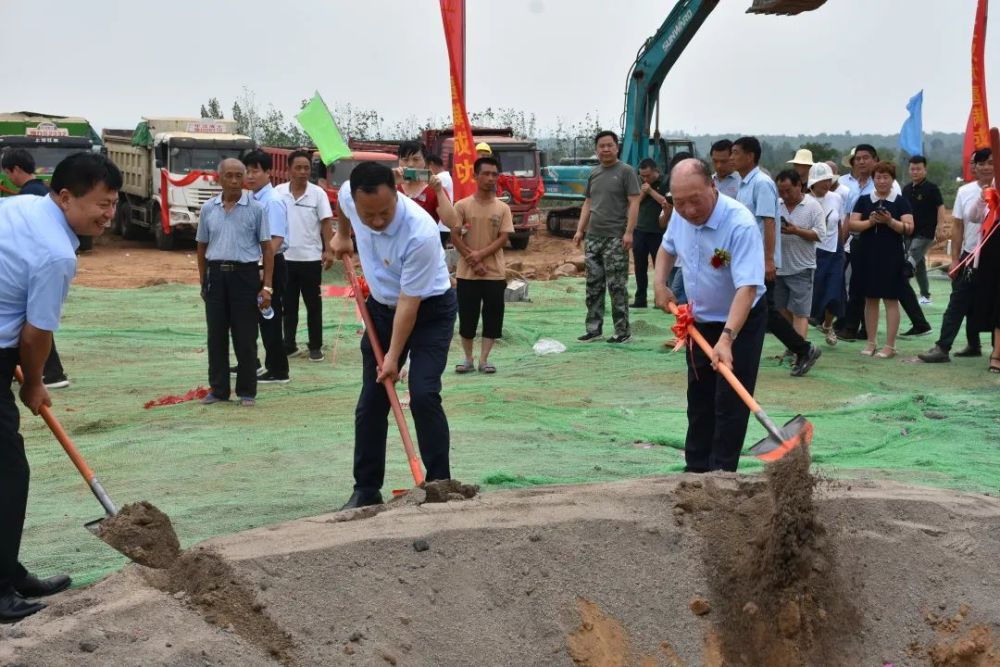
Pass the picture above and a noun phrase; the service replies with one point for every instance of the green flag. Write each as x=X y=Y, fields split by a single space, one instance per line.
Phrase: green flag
x=316 y=119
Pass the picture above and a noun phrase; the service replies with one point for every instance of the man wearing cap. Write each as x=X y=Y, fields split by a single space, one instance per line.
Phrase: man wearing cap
x=483 y=150
x=859 y=182
x=801 y=162
x=38 y=241
x=724 y=278
x=412 y=307
x=760 y=194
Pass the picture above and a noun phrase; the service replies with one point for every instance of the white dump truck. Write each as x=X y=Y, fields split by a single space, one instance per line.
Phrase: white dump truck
x=169 y=166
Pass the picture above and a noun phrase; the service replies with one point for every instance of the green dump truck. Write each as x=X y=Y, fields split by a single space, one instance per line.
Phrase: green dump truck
x=49 y=139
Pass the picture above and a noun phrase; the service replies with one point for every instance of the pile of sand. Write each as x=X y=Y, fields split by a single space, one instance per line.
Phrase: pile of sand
x=677 y=572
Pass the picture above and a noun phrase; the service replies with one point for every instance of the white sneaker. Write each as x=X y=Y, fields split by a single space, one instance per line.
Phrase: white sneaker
x=925 y=301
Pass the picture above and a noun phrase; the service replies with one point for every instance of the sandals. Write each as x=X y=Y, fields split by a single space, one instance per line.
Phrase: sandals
x=994 y=369
x=465 y=367
x=886 y=353
x=487 y=368
x=868 y=350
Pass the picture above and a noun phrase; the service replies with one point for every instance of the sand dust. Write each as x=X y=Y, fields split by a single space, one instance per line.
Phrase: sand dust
x=143 y=533
x=500 y=579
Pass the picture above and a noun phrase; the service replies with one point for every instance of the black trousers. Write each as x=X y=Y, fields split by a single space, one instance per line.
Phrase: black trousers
x=781 y=328
x=231 y=307
x=481 y=296
x=272 y=330
x=428 y=351
x=53 y=366
x=717 y=418
x=959 y=308
x=304 y=278
x=645 y=245
x=14 y=476
x=854 y=312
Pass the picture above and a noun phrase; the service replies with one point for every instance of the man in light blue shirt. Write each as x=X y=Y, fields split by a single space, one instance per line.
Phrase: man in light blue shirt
x=723 y=255
x=38 y=242
x=412 y=307
x=726 y=178
x=233 y=236
x=258 y=179
x=760 y=194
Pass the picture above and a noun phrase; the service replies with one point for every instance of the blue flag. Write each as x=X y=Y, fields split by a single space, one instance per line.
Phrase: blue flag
x=911 y=135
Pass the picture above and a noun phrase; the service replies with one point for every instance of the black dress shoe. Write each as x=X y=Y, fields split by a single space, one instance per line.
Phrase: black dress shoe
x=970 y=352
x=362 y=499
x=13 y=607
x=33 y=587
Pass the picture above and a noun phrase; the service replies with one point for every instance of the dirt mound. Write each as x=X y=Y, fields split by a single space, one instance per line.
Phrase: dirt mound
x=441 y=491
x=143 y=533
x=772 y=570
x=203 y=578
x=562 y=576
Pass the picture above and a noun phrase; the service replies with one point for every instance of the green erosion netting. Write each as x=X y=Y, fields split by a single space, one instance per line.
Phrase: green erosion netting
x=595 y=412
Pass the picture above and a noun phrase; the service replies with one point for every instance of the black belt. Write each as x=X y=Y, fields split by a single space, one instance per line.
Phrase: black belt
x=231 y=266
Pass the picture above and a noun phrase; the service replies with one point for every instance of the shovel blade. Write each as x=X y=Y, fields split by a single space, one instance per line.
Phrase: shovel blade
x=95 y=526
x=796 y=431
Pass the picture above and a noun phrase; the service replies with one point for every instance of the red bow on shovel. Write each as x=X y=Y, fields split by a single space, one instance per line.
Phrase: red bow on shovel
x=779 y=441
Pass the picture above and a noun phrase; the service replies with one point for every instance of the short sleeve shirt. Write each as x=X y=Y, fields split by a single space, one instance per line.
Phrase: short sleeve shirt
x=970 y=209
x=833 y=212
x=234 y=235
x=276 y=212
x=608 y=189
x=305 y=222
x=728 y=185
x=799 y=254
x=35 y=186
x=731 y=231
x=404 y=258
x=650 y=209
x=924 y=199
x=759 y=194
x=480 y=225
x=37 y=264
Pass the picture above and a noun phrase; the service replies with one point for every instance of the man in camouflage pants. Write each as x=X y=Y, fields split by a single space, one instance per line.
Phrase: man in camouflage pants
x=608 y=220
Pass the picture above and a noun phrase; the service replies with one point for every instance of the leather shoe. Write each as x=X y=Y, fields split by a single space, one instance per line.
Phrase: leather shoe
x=33 y=587
x=13 y=607
x=362 y=499
x=970 y=352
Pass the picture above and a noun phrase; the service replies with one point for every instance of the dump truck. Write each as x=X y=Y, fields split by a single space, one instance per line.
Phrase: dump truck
x=49 y=139
x=330 y=177
x=520 y=166
x=176 y=157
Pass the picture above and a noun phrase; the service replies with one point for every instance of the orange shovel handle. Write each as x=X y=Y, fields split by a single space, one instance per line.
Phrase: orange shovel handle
x=61 y=436
x=416 y=469
x=723 y=370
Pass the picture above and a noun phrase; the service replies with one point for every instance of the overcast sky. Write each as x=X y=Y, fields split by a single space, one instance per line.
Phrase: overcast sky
x=850 y=65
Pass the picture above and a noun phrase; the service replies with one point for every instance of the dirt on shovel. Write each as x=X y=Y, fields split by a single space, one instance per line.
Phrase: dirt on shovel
x=143 y=533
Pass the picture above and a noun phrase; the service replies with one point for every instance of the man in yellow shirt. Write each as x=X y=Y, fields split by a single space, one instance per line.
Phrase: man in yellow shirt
x=484 y=223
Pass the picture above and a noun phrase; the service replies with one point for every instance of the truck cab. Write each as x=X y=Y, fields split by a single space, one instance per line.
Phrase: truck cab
x=48 y=138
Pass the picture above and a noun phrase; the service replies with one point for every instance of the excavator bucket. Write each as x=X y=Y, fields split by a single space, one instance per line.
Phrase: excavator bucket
x=784 y=7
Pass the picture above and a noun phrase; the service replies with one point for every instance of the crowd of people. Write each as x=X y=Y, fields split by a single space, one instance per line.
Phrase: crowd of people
x=745 y=253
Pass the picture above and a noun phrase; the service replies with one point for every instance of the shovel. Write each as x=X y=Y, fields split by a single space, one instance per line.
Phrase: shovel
x=779 y=441
x=390 y=388
x=77 y=459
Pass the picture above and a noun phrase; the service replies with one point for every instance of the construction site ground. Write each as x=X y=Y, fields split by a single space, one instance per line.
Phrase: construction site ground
x=584 y=546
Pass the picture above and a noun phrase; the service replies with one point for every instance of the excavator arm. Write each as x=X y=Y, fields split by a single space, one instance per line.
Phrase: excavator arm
x=657 y=57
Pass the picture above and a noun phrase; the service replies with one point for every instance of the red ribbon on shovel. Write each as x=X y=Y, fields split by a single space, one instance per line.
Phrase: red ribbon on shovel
x=684 y=320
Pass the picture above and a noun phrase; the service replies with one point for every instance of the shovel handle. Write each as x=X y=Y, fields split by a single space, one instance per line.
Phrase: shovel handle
x=722 y=369
x=57 y=430
x=416 y=469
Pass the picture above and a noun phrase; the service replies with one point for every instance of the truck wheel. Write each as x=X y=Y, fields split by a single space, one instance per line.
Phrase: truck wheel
x=164 y=241
x=130 y=230
x=552 y=224
x=519 y=242
x=86 y=243
x=122 y=216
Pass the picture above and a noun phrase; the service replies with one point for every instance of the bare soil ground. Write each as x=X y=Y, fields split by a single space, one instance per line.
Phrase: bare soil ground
x=639 y=573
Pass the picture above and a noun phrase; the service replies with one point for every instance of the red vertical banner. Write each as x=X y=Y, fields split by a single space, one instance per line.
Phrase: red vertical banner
x=977 y=131
x=453 y=17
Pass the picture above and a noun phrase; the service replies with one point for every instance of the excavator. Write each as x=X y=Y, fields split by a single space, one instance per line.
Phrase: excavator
x=638 y=141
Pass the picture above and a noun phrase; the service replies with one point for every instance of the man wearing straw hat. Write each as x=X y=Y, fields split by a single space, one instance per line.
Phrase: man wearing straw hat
x=801 y=162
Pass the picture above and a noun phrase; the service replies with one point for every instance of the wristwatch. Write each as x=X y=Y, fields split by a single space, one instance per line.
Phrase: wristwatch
x=267 y=289
x=729 y=332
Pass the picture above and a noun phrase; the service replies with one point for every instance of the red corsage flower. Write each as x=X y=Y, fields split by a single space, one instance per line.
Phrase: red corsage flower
x=720 y=258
